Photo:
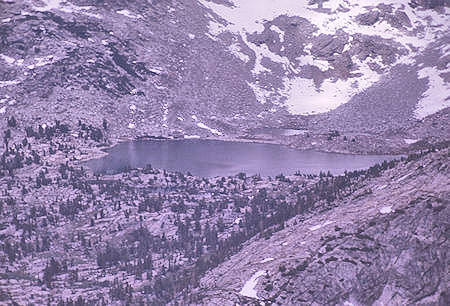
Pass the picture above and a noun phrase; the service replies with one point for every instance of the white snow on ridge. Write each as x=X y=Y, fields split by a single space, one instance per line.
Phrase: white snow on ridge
x=249 y=287
x=437 y=97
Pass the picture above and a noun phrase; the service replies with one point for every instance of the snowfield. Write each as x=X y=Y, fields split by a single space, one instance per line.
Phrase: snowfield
x=437 y=96
x=302 y=95
x=249 y=287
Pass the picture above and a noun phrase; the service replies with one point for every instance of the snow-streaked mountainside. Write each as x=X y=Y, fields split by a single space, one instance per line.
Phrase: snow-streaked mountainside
x=326 y=52
x=199 y=67
x=78 y=77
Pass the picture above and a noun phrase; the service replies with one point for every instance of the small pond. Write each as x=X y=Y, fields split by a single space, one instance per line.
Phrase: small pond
x=210 y=158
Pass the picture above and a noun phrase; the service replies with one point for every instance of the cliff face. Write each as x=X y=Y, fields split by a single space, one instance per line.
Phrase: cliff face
x=385 y=245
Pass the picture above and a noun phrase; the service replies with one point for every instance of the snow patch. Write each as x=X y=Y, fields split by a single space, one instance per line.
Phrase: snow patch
x=386 y=210
x=269 y=259
x=8 y=83
x=7 y=59
x=403 y=177
x=3 y=110
x=410 y=141
x=128 y=14
x=235 y=49
x=191 y=36
x=42 y=61
x=48 y=5
x=242 y=17
x=279 y=31
x=204 y=126
x=191 y=137
x=323 y=65
x=303 y=97
x=165 y=114
x=319 y=226
x=66 y=7
x=382 y=187
x=437 y=96
x=156 y=70
x=131 y=125
x=249 y=287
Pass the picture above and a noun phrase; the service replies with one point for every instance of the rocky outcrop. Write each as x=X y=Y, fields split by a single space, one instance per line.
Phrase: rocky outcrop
x=399 y=19
x=429 y=4
x=365 y=46
x=368 y=18
x=325 y=45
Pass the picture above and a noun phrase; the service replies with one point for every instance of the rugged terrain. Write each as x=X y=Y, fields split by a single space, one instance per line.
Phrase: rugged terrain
x=375 y=70
x=388 y=246
x=148 y=236
x=364 y=76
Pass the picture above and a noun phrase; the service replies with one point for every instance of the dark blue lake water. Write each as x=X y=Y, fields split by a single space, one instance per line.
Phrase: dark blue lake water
x=211 y=158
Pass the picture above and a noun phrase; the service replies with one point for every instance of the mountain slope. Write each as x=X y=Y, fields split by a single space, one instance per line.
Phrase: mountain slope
x=385 y=245
x=215 y=68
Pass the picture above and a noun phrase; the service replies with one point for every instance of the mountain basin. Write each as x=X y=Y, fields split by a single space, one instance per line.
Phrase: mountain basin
x=211 y=158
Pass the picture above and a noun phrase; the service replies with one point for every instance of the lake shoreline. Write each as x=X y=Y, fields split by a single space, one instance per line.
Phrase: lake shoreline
x=218 y=156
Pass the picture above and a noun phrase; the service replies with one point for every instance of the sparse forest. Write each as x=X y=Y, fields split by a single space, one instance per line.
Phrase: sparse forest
x=143 y=236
